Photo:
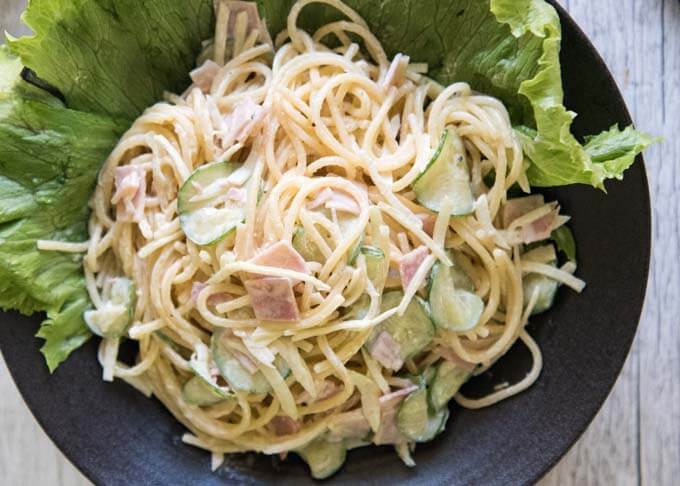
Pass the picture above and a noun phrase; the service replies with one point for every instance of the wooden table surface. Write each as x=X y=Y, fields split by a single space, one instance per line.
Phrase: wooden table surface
x=635 y=439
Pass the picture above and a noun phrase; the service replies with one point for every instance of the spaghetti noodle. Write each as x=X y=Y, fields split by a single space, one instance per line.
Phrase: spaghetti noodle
x=319 y=144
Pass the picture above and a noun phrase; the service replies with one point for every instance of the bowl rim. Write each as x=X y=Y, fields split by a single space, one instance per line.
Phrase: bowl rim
x=89 y=471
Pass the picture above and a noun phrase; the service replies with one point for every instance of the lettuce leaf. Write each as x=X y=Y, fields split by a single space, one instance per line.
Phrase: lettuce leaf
x=505 y=48
x=557 y=158
x=114 y=57
x=49 y=159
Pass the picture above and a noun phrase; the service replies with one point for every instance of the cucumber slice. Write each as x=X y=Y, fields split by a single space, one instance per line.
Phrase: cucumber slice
x=435 y=425
x=235 y=374
x=305 y=247
x=414 y=330
x=323 y=458
x=377 y=265
x=114 y=317
x=447 y=175
x=412 y=419
x=198 y=392
x=546 y=288
x=461 y=280
x=210 y=219
x=454 y=309
x=231 y=369
x=446 y=383
x=202 y=389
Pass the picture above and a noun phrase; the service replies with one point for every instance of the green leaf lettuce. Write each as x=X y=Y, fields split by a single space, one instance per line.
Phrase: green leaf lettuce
x=49 y=158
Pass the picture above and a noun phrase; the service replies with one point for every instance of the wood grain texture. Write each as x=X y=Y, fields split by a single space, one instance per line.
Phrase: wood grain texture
x=635 y=439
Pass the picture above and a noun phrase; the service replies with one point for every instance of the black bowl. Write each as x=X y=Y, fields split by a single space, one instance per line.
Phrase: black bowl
x=116 y=436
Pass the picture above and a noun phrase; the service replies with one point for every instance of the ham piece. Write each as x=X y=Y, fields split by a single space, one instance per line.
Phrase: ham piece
x=284 y=425
x=281 y=255
x=272 y=299
x=214 y=299
x=386 y=351
x=337 y=200
x=130 y=195
x=203 y=75
x=410 y=263
x=244 y=119
x=429 y=221
x=388 y=433
x=538 y=230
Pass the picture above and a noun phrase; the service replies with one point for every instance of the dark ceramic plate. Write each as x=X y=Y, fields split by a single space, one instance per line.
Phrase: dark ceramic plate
x=116 y=436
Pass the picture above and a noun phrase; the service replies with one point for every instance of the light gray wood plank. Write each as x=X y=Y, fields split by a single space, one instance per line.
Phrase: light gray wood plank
x=659 y=79
x=10 y=10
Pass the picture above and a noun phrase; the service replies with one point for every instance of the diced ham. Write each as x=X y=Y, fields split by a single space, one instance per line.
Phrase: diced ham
x=130 y=195
x=329 y=389
x=537 y=230
x=515 y=208
x=284 y=425
x=337 y=200
x=203 y=75
x=281 y=255
x=410 y=263
x=272 y=299
x=449 y=355
x=396 y=74
x=386 y=351
x=245 y=361
x=244 y=119
x=253 y=19
x=429 y=221
x=197 y=288
x=214 y=299
x=388 y=433
x=237 y=194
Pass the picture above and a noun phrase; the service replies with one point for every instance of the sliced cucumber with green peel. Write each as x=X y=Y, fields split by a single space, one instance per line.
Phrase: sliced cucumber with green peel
x=377 y=265
x=198 y=392
x=412 y=417
x=447 y=175
x=306 y=247
x=446 y=383
x=205 y=216
x=454 y=309
x=546 y=288
x=414 y=330
x=238 y=377
x=436 y=423
x=323 y=458
x=202 y=389
x=113 y=318
x=461 y=280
